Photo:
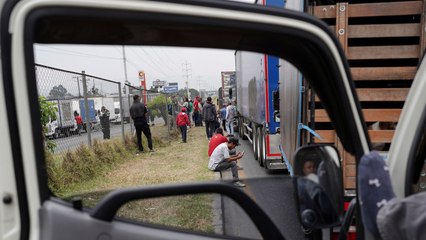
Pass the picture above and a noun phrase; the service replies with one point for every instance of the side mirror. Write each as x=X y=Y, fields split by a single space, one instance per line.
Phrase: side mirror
x=319 y=186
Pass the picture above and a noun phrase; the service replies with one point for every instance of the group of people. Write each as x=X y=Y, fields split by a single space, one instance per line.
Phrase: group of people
x=102 y=115
x=208 y=113
x=211 y=118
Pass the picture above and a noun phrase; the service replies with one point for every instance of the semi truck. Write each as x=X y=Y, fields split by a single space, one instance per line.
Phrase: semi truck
x=258 y=121
x=259 y=78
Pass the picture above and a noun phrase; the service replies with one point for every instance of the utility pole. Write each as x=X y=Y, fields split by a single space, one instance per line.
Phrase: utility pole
x=187 y=73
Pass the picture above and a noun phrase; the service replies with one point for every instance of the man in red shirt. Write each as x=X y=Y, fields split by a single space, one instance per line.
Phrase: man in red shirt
x=79 y=122
x=217 y=139
x=182 y=121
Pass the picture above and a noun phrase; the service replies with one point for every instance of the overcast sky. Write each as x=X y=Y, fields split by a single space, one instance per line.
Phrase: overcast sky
x=204 y=66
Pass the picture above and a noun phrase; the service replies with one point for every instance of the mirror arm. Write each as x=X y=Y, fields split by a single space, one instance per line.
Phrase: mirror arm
x=107 y=208
x=347 y=220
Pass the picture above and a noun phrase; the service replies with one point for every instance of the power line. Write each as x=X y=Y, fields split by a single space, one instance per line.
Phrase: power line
x=80 y=54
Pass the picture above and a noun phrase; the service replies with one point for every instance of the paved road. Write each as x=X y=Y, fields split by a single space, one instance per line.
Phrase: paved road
x=272 y=190
x=72 y=142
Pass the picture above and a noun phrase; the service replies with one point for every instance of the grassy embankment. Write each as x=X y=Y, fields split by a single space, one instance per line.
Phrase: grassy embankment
x=92 y=173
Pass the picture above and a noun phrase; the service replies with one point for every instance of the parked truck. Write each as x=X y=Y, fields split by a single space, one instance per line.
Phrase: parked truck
x=64 y=124
x=258 y=121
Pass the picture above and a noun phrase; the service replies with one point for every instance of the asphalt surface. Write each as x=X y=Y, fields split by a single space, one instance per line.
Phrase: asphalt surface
x=272 y=190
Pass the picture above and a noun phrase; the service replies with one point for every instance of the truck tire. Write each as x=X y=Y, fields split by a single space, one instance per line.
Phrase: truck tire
x=255 y=142
x=55 y=134
x=243 y=130
x=67 y=132
x=263 y=144
x=261 y=147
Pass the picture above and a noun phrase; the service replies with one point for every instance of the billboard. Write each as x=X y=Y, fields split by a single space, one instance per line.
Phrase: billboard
x=170 y=89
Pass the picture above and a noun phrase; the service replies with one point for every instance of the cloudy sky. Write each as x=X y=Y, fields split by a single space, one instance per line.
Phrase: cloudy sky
x=204 y=66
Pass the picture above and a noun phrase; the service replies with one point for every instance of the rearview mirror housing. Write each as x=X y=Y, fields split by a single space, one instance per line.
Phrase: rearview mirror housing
x=319 y=186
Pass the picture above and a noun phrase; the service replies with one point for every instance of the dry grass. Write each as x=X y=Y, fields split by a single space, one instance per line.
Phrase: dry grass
x=172 y=162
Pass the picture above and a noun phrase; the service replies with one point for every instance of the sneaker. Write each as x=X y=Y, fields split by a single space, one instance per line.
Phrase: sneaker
x=239 y=184
x=151 y=150
x=240 y=168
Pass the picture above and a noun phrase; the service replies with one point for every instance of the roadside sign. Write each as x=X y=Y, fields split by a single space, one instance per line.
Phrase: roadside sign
x=170 y=89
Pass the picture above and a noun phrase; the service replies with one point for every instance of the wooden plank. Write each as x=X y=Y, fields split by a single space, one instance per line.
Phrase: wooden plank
x=342 y=25
x=385 y=9
x=325 y=12
x=328 y=136
x=381 y=136
x=384 y=30
x=350 y=170
x=383 y=73
x=350 y=182
x=372 y=9
x=377 y=136
x=370 y=115
x=423 y=26
x=380 y=94
x=383 y=52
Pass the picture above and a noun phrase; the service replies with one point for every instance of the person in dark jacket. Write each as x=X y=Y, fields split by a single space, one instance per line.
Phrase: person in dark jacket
x=138 y=113
x=182 y=121
x=209 y=117
x=104 y=119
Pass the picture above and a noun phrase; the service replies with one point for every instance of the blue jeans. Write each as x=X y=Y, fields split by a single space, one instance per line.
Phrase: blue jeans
x=230 y=127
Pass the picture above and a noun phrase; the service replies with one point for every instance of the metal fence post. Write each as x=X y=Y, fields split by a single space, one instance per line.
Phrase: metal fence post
x=167 y=118
x=121 y=111
x=86 y=110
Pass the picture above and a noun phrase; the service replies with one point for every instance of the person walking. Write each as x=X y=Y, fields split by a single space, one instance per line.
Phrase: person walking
x=197 y=111
x=221 y=160
x=230 y=115
x=182 y=121
x=223 y=116
x=138 y=113
x=209 y=117
x=79 y=122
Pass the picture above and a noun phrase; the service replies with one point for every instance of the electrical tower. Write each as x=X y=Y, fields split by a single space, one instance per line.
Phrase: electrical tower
x=186 y=68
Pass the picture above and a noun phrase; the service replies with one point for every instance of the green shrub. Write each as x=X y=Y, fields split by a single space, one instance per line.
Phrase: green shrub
x=80 y=165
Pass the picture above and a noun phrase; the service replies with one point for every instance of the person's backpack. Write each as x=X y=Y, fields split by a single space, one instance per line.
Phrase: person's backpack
x=190 y=107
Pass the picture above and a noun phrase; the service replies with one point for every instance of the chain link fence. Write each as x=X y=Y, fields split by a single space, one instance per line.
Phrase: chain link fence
x=88 y=108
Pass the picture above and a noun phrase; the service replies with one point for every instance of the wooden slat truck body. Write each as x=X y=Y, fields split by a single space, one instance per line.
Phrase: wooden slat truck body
x=383 y=42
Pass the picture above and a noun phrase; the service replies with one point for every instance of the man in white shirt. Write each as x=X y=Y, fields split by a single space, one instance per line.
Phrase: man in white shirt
x=220 y=159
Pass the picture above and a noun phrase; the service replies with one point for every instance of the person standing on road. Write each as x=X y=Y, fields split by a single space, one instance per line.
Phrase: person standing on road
x=223 y=116
x=138 y=113
x=79 y=122
x=221 y=160
x=209 y=117
x=182 y=121
x=104 y=119
x=230 y=114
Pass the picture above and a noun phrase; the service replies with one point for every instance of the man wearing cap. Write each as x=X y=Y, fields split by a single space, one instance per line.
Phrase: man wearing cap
x=221 y=160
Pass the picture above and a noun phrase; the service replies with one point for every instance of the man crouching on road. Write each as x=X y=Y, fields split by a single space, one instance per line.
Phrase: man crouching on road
x=220 y=159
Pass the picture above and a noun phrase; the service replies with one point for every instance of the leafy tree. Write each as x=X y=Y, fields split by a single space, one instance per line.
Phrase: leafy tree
x=192 y=92
x=48 y=112
x=158 y=107
x=58 y=92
